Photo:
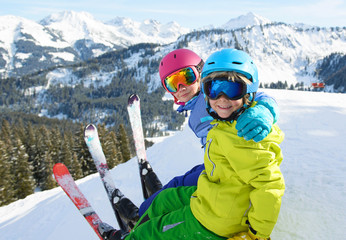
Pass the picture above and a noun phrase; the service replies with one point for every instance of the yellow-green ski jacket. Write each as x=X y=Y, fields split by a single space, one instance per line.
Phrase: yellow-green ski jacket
x=241 y=181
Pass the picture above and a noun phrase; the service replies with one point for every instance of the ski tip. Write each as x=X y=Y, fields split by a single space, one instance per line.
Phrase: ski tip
x=90 y=127
x=59 y=165
x=59 y=168
x=132 y=98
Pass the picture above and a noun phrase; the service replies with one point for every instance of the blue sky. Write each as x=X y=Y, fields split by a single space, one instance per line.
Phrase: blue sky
x=192 y=14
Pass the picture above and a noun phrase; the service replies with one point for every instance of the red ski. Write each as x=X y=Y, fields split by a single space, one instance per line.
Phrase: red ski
x=66 y=182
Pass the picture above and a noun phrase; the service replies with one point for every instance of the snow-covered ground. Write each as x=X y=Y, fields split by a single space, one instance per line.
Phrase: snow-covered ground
x=314 y=168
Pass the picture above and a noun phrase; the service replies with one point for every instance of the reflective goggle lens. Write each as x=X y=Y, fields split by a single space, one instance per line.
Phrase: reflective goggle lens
x=185 y=76
x=233 y=90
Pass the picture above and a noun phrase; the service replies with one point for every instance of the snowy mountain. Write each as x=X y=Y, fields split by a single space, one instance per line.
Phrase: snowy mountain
x=25 y=44
x=53 y=50
x=313 y=166
x=68 y=37
x=149 y=30
x=244 y=21
x=72 y=26
x=282 y=53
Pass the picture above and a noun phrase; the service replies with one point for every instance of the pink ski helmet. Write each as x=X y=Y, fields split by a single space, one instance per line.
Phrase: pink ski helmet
x=179 y=59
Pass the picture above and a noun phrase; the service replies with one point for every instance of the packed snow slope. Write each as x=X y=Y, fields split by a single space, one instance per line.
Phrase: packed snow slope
x=314 y=167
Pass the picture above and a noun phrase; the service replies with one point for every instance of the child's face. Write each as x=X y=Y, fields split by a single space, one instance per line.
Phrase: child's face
x=225 y=107
x=185 y=93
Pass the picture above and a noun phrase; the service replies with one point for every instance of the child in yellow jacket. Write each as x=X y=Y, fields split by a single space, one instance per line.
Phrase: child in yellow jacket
x=238 y=195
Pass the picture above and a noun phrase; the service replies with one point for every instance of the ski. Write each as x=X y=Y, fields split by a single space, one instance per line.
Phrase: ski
x=125 y=211
x=65 y=180
x=149 y=180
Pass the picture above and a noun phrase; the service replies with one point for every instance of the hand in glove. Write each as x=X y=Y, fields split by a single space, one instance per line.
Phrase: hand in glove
x=255 y=123
x=247 y=236
x=109 y=233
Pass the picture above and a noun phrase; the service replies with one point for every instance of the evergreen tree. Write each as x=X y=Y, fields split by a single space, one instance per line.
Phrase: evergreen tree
x=83 y=154
x=66 y=153
x=48 y=181
x=109 y=145
x=113 y=155
x=43 y=144
x=9 y=156
x=20 y=131
x=120 y=157
x=102 y=132
x=76 y=167
x=6 y=183
x=30 y=143
x=56 y=140
x=22 y=172
x=124 y=143
x=6 y=132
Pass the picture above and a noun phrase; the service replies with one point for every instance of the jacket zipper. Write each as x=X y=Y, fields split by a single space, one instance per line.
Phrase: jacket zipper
x=207 y=150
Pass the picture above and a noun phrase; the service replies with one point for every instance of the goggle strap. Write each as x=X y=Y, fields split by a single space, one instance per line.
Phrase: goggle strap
x=200 y=66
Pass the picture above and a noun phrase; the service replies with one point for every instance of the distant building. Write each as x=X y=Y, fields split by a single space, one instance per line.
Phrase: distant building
x=317 y=85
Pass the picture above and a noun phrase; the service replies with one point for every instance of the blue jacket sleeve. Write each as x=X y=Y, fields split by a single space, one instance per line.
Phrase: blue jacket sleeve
x=188 y=179
x=267 y=101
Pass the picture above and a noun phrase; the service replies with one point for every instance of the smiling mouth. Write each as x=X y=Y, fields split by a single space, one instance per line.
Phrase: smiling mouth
x=225 y=107
x=185 y=94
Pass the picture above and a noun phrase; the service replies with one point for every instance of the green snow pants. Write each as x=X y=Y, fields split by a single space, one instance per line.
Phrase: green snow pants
x=170 y=217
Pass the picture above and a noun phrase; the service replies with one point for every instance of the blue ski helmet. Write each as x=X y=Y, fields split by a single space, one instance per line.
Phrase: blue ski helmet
x=230 y=59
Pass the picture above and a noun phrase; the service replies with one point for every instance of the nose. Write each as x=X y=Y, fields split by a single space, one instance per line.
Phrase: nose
x=181 y=87
x=223 y=97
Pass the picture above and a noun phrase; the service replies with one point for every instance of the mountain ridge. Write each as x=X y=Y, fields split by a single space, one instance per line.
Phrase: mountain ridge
x=68 y=37
x=284 y=53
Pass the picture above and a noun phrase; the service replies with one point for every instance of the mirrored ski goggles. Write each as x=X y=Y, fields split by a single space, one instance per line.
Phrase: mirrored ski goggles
x=185 y=76
x=214 y=88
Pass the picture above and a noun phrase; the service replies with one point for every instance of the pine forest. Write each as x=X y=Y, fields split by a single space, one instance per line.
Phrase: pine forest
x=29 y=151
